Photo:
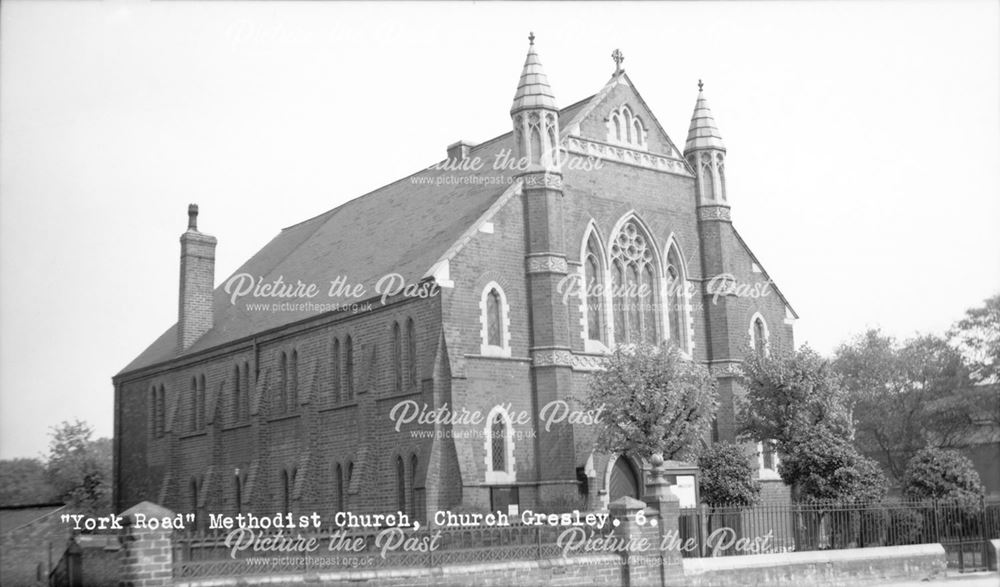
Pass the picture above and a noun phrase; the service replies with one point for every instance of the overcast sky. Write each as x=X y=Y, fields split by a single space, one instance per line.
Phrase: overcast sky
x=863 y=146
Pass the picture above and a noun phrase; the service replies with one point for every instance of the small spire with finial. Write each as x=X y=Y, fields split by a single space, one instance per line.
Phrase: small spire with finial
x=618 y=57
x=700 y=85
x=531 y=38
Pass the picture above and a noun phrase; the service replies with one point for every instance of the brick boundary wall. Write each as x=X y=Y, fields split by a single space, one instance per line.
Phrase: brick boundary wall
x=830 y=568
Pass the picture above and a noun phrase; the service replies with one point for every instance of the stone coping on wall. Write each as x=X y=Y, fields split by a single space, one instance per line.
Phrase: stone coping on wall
x=854 y=566
x=393 y=575
x=705 y=565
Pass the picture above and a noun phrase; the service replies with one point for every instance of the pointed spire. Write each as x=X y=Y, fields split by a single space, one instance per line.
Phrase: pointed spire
x=703 y=134
x=533 y=89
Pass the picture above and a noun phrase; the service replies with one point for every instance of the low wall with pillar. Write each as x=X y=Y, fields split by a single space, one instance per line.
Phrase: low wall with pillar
x=147 y=554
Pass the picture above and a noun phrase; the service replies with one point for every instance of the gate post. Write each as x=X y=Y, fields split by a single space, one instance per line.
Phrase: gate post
x=147 y=554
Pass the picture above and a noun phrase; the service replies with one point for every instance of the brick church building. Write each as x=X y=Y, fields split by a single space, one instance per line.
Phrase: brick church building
x=526 y=258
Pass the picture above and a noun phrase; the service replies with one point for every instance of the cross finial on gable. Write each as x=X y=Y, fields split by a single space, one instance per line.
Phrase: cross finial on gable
x=618 y=57
x=531 y=38
x=700 y=84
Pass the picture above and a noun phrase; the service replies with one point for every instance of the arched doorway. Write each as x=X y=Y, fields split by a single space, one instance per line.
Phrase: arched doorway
x=624 y=480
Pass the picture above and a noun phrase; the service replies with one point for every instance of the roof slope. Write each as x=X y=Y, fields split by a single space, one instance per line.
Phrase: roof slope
x=403 y=227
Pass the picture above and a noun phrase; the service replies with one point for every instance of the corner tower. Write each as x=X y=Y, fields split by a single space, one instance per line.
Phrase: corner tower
x=706 y=154
x=536 y=136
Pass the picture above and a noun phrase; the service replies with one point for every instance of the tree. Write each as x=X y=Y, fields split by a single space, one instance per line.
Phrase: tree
x=79 y=468
x=822 y=466
x=652 y=401
x=942 y=474
x=727 y=476
x=22 y=482
x=978 y=336
x=790 y=394
x=796 y=400
x=905 y=397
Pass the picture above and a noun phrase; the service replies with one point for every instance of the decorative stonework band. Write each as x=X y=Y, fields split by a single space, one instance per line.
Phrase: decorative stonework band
x=625 y=155
x=542 y=180
x=552 y=358
x=726 y=370
x=547 y=264
x=588 y=363
x=714 y=213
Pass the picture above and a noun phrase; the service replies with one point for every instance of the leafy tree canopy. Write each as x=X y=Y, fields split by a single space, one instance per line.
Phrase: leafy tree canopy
x=941 y=474
x=727 y=476
x=652 y=401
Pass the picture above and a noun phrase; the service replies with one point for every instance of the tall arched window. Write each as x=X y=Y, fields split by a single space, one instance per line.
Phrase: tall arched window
x=618 y=126
x=238 y=491
x=397 y=358
x=707 y=181
x=413 y=486
x=676 y=299
x=493 y=318
x=339 y=480
x=161 y=417
x=759 y=336
x=286 y=491
x=194 y=494
x=245 y=415
x=194 y=404
x=400 y=484
x=201 y=402
x=593 y=276
x=237 y=394
x=634 y=276
x=722 y=178
x=536 y=138
x=293 y=387
x=494 y=321
x=411 y=354
x=349 y=367
x=335 y=370
x=498 y=440
x=283 y=388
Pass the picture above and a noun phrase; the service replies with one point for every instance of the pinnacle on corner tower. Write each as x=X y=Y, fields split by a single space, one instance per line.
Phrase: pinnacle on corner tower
x=535 y=115
x=706 y=153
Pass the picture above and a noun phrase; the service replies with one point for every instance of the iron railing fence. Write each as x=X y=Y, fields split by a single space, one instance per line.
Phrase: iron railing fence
x=962 y=527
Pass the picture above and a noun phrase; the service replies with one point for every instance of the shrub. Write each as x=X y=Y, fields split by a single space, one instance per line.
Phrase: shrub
x=826 y=467
x=943 y=475
x=727 y=476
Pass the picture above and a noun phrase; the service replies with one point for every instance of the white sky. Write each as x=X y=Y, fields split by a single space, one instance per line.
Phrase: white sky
x=863 y=138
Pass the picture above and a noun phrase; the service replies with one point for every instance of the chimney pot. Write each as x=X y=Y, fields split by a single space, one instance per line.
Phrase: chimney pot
x=193 y=217
x=459 y=150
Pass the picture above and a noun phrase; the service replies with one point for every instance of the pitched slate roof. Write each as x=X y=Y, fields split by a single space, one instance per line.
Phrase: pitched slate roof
x=404 y=227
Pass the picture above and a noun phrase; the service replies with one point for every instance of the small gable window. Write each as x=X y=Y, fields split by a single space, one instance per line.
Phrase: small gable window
x=625 y=128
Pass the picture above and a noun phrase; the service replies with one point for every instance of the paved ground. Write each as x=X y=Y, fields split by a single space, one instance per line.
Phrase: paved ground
x=991 y=579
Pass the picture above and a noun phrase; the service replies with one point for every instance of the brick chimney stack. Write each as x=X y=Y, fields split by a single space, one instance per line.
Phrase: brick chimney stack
x=195 y=316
